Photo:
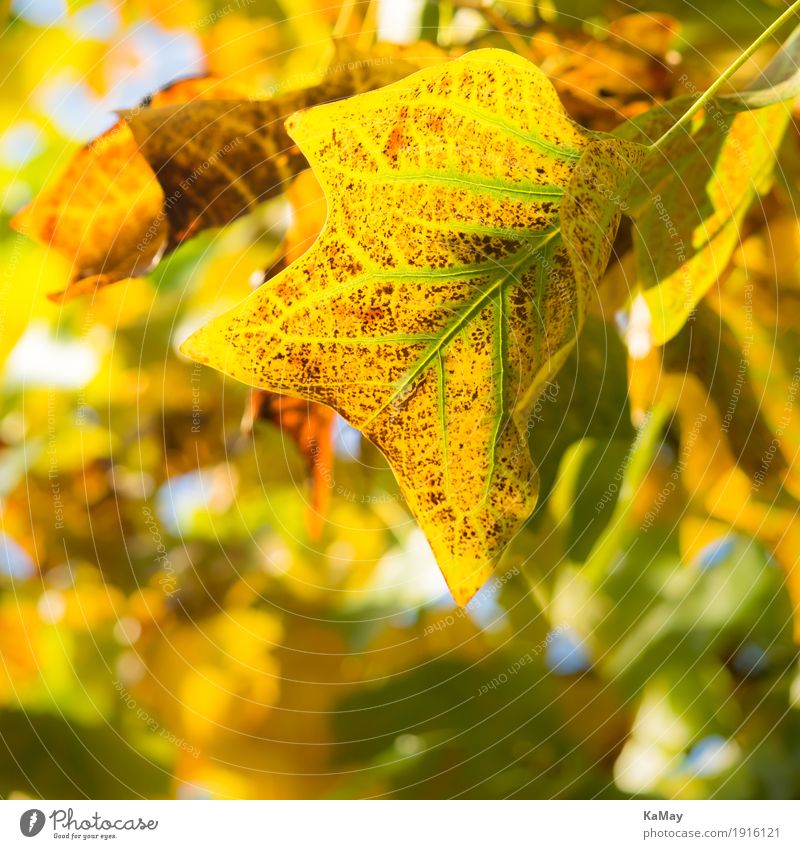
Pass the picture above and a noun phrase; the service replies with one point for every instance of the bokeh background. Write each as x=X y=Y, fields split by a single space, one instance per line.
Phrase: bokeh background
x=176 y=617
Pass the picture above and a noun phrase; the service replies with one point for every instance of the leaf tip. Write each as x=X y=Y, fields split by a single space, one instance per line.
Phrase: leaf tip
x=59 y=297
x=462 y=594
x=465 y=583
x=196 y=346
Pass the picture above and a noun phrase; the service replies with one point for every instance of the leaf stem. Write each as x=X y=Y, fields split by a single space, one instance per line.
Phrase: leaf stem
x=709 y=93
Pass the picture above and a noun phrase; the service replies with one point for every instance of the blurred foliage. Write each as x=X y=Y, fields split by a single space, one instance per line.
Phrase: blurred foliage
x=171 y=623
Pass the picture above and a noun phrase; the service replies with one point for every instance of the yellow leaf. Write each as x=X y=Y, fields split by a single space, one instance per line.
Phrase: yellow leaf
x=105 y=212
x=469 y=219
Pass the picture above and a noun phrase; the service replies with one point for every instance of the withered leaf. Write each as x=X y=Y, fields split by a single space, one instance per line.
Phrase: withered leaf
x=310 y=427
x=105 y=212
x=216 y=160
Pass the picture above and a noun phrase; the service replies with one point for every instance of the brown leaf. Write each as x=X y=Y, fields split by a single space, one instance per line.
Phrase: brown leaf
x=602 y=83
x=310 y=427
x=105 y=211
x=215 y=160
x=109 y=215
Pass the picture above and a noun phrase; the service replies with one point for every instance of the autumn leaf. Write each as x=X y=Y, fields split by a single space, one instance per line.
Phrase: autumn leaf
x=741 y=344
x=469 y=219
x=694 y=193
x=602 y=82
x=308 y=425
x=104 y=212
x=216 y=160
x=101 y=205
x=684 y=236
x=308 y=215
x=726 y=349
x=764 y=357
x=767 y=257
x=114 y=218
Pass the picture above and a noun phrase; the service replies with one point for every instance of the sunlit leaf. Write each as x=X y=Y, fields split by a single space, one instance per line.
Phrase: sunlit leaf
x=691 y=201
x=468 y=223
x=105 y=212
x=216 y=160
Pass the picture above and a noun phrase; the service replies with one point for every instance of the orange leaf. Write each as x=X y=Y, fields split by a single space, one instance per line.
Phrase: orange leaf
x=105 y=212
x=310 y=427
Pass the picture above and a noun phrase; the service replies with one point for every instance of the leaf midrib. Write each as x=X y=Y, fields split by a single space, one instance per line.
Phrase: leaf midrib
x=457 y=325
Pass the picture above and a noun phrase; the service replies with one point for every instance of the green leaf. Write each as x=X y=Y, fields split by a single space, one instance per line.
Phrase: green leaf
x=589 y=481
x=778 y=82
x=692 y=198
x=695 y=191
